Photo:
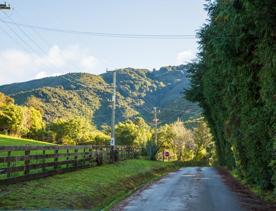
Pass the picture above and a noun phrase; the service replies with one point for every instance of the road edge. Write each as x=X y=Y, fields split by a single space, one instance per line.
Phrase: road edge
x=120 y=202
x=247 y=198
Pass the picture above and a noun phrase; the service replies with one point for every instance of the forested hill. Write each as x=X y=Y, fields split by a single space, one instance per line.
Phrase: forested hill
x=89 y=95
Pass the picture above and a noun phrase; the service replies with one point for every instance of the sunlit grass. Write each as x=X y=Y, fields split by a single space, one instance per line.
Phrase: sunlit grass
x=15 y=141
x=84 y=189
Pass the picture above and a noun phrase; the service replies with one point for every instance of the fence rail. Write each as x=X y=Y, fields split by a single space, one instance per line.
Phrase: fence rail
x=21 y=163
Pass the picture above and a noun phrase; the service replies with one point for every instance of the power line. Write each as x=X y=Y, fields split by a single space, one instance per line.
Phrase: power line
x=12 y=38
x=26 y=35
x=21 y=17
x=103 y=34
x=171 y=109
x=150 y=104
x=30 y=48
x=26 y=45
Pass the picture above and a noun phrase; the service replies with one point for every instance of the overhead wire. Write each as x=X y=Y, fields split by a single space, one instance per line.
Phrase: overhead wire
x=26 y=35
x=45 y=41
x=145 y=107
x=12 y=38
x=27 y=47
x=105 y=34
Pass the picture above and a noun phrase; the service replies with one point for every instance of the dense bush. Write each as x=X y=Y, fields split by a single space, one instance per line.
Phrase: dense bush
x=234 y=81
x=136 y=133
x=27 y=121
x=72 y=131
x=18 y=120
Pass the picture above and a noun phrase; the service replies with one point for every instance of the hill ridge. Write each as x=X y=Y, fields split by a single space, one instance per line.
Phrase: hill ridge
x=88 y=95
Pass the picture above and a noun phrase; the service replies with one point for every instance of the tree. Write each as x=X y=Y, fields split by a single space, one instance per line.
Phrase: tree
x=35 y=103
x=182 y=141
x=76 y=130
x=204 y=143
x=135 y=133
x=5 y=100
x=164 y=137
x=234 y=81
x=11 y=119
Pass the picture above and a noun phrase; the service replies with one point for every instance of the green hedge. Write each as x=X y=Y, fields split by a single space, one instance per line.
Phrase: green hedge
x=234 y=81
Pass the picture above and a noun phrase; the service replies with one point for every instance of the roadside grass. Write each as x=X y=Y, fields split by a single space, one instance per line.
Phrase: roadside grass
x=266 y=196
x=93 y=188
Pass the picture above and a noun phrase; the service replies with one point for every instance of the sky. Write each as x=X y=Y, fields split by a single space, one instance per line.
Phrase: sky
x=28 y=53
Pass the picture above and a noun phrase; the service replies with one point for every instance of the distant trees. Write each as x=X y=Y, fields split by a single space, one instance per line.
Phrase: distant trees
x=164 y=136
x=204 y=145
x=182 y=141
x=27 y=121
x=73 y=131
x=135 y=133
x=186 y=144
x=11 y=119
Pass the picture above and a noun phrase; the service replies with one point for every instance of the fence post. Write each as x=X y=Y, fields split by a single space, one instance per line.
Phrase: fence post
x=111 y=154
x=76 y=157
x=84 y=156
x=132 y=152
x=27 y=162
x=56 y=159
x=129 y=152
x=43 y=161
x=67 y=157
x=90 y=155
x=99 y=157
x=8 y=165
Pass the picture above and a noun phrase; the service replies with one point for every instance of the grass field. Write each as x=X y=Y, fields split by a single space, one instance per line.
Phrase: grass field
x=14 y=141
x=92 y=188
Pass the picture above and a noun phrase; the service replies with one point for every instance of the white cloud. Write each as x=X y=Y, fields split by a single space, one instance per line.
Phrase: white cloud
x=185 y=57
x=44 y=74
x=17 y=65
x=88 y=62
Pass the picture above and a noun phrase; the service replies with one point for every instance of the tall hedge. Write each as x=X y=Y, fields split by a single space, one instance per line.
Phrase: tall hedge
x=234 y=80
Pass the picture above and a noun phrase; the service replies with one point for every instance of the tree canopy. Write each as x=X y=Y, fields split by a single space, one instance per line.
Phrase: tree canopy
x=234 y=80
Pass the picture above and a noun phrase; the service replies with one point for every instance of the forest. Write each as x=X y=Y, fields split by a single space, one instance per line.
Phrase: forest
x=185 y=141
x=234 y=81
x=88 y=95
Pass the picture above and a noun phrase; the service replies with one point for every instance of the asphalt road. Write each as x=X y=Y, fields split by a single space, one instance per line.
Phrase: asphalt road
x=190 y=188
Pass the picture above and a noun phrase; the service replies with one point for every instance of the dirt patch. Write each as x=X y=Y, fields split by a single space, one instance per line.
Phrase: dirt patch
x=248 y=199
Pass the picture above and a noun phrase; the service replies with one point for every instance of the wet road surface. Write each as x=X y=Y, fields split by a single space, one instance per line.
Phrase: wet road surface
x=190 y=188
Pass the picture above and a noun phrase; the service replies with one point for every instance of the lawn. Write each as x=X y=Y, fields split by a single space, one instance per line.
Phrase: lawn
x=14 y=141
x=92 y=188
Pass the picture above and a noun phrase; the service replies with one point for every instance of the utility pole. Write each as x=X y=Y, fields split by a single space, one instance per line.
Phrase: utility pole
x=5 y=6
x=155 y=120
x=112 y=143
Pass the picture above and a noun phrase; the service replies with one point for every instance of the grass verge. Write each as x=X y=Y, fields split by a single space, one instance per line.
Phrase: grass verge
x=266 y=196
x=251 y=198
x=93 y=188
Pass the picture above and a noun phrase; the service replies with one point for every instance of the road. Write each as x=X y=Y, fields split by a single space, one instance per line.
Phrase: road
x=190 y=188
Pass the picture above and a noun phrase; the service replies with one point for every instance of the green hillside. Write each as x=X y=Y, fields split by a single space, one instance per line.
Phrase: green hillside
x=83 y=94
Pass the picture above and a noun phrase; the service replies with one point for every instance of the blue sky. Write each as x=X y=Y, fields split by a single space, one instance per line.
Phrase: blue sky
x=45 y=53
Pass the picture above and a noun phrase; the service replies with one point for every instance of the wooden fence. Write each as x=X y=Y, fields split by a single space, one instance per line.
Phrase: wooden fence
x=21 y=163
